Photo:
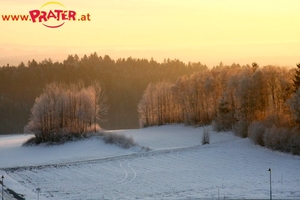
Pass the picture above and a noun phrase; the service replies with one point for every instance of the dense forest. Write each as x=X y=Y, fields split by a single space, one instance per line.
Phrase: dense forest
x=257 y=102
x=122 y=80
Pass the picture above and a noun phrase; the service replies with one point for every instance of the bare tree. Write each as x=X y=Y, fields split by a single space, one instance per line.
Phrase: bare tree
x=62 y=110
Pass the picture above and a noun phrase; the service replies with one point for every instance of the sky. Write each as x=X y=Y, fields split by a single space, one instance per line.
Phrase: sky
x=210 y=32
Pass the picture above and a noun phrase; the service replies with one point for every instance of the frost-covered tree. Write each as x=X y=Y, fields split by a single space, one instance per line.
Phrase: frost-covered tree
x=294 y=103
x=63 y=110
x=251 y=100
x=244 y=109
x=100 y=105
x=225 y=118
x=158 y=105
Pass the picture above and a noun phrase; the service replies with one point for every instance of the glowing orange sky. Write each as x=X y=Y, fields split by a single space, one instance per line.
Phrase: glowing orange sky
x=240 y=31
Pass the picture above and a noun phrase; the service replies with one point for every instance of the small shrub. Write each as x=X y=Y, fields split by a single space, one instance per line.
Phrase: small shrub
x=241 y=129
x=120 y=140
x=30 y=141
x=294 y=142
x=109 y=138
x=222 y=123
x=56 y=139
x=205 y=137
x=283 y=139
x=256 y=133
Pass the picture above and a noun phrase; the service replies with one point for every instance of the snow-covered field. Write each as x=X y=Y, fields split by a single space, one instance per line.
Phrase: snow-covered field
x=176 y=167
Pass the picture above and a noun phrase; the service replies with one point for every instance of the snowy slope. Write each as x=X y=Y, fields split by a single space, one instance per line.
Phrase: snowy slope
x=177 y=167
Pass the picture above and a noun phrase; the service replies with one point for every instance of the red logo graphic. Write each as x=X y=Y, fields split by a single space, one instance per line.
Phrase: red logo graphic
x=53 y=15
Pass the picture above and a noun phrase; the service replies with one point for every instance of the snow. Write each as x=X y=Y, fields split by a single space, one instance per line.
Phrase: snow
x=170 y=136
x=176 y=167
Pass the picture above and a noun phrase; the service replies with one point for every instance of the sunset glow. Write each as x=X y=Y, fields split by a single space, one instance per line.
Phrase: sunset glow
x=266 y=32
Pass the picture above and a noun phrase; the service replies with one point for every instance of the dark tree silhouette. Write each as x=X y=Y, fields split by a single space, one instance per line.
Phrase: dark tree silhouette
x=123 y=80
x=297 y=78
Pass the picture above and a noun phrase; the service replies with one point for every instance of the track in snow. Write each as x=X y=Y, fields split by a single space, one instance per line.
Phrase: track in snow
x=103 y=160
x=129 y=173
x=237 y=169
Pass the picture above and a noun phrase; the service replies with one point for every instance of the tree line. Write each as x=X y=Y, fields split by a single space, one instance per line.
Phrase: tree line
x=256 y=102
x=123 y=80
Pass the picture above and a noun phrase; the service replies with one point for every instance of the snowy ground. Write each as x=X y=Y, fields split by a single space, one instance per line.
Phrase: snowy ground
x=177 y=167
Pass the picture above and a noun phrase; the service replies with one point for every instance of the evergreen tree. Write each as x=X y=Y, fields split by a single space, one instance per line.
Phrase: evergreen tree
x=297 y=78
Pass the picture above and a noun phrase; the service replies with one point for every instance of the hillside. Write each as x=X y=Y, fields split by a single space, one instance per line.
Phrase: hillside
x=176 y=167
